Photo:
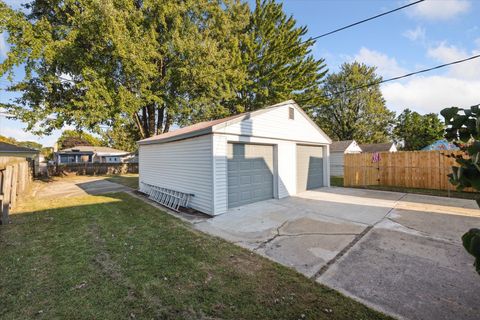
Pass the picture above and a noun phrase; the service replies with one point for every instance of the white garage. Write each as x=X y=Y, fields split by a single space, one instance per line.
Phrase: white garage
x=274 y=152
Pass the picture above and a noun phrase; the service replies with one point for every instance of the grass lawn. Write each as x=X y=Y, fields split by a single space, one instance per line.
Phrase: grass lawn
x=129 y=179
x=338 y=182
x=116 y=257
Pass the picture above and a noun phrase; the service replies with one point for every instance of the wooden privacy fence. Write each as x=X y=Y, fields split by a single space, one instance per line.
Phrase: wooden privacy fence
x=15 y=176
x=410 y=169
x=92 y=168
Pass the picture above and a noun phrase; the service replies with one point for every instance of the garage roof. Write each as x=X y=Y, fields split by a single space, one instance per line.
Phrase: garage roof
x=8 y=147
x=207 y=127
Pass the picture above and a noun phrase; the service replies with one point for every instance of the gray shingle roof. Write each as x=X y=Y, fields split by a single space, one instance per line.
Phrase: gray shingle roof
x=8 y=147
x=340 y=146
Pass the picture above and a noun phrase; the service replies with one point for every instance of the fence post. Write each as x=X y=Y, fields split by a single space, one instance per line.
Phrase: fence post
x=6 y=189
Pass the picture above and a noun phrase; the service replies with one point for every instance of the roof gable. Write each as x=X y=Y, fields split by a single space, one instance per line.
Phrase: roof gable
x=219 y=125
x=378 y=147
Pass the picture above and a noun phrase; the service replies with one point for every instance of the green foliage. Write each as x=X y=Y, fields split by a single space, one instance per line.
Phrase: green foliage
x=277 y=61
x=463 y=129
x=8 y=140
x=122 y=136
x=358 y=114
x=25 y=144
x=47 y=153
x=153 y=63
x=417 y=131
x=71 y=138
x=471 y=242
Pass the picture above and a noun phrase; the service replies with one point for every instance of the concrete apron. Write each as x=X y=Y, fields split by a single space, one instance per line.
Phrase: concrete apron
x=398 y=253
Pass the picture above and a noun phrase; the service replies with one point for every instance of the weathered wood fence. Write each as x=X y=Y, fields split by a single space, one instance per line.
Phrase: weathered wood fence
x=410 y=169
x=15 y=176
x=92 y=168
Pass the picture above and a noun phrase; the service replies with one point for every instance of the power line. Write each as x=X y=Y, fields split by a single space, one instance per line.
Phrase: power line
x=365 y=20
x=406 y=75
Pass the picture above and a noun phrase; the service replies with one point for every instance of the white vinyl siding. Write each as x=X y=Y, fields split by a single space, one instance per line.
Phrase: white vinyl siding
x=275 y=123
x=336 y=164
x=184 y=165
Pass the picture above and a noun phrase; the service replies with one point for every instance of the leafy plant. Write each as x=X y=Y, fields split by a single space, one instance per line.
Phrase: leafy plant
x=463 y=129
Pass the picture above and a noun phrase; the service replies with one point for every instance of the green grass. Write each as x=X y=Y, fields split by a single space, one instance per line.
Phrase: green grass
x=116 y=257
x=338 y=182
x=129 y=180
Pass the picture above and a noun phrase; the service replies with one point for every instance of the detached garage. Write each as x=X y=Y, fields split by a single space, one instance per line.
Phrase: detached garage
x=274 y=152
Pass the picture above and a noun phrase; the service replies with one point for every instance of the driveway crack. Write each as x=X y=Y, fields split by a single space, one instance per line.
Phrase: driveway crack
x=264 y=243
x=341 y=253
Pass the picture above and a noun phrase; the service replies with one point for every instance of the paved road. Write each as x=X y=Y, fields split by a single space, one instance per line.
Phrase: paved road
x=399 y=253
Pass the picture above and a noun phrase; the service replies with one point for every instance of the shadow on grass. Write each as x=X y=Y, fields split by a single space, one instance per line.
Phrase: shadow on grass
x=115 y=256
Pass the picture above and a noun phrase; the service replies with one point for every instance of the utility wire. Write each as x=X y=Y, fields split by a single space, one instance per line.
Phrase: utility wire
x=406 y=75
x=365 y=20
x=316 y=37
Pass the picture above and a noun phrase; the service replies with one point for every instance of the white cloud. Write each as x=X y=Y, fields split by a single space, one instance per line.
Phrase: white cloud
x=415 y=34
x=445 y=53
x=386 y=66
x=431 y=93
x=440 y=9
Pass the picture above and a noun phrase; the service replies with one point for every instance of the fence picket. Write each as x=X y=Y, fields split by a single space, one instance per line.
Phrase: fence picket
x=411 y=169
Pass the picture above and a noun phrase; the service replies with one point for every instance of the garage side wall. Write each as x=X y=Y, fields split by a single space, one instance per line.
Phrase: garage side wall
x=184 y=166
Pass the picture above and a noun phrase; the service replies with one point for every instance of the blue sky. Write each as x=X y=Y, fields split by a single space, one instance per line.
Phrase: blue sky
x=428 y=34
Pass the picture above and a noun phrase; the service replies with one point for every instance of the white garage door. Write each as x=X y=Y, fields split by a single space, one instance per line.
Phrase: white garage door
x=250 y=173
x=309 y=167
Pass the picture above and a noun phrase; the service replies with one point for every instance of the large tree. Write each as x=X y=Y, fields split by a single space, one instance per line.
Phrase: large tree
x=72 y=138
x=154 y=63
x=352 y=112
x=416 y=131
x=278 y=62
x=91 y=63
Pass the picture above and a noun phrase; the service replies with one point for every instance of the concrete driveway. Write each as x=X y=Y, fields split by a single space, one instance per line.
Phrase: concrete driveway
x=76 y=186
x=399 y=253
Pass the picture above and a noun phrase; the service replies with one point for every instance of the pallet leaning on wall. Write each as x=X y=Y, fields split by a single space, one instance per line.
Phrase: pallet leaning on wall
x=15 y=176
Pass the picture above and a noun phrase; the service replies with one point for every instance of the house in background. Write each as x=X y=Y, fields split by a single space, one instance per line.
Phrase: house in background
x=441 y=145
x=90 y=154
x=270 y=153
x=379 y=147
x=338 y=149
x=11 y=150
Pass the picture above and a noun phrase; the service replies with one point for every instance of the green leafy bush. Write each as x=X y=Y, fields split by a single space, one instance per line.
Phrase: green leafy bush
x=463 y=129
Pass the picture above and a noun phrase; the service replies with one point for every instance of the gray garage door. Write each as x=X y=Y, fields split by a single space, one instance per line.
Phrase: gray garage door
x=250 y=173
x=309 y=167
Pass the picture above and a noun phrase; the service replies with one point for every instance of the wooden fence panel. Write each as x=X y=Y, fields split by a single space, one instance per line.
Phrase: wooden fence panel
x=410 y=169
x=15 y=174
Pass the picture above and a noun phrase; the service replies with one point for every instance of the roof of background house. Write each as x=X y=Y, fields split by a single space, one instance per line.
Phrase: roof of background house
x=340 y=146
x=8 y=147
x=92 y=149
x=441 y=144
x=205 y=127
x=376 y=147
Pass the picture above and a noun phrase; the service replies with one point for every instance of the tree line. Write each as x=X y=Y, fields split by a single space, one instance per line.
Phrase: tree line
x=138 y=67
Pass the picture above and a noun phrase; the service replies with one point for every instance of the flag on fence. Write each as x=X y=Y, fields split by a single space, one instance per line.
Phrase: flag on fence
x=376 y=157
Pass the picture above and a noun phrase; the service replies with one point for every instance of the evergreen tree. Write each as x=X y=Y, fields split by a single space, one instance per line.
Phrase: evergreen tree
x=354 y=114
x=278 y=61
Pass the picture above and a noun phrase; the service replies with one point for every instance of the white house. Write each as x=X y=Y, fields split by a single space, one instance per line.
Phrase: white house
x=274 y=152
x=338 y=149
